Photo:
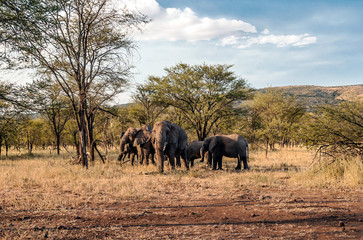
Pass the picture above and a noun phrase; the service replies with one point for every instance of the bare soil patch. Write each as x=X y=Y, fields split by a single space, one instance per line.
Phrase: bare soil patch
x=253 y=212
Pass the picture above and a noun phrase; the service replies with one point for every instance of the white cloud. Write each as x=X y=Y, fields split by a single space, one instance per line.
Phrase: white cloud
x=230 y=40
x=174 y=24
x=279 y=40
x=265 y=31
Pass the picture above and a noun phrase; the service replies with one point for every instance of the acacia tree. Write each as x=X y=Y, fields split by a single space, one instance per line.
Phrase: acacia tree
x=83 y=45
x=275 y=116
x=204 y=94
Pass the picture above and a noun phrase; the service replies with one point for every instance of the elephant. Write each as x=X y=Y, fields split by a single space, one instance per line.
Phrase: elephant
x=126 y=147
x=244 y=144
x=223 y=145
x=137 y=142
x=194 y=151
x=142 y=141
x=169 y=140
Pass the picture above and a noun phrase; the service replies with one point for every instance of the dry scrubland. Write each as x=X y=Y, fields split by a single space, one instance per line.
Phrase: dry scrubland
x=50 y=185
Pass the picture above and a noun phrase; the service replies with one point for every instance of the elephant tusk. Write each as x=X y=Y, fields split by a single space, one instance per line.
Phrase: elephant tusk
x=165 y=146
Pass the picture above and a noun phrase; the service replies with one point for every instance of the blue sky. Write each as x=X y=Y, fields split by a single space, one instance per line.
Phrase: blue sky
x=269 y=42
x=273 y=42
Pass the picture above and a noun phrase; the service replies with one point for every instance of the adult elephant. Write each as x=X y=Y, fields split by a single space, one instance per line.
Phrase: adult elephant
x=194 y=151
x=170 y=140
x=223 y=145
x=126 y=146
x=244 y=146
x=142 y=141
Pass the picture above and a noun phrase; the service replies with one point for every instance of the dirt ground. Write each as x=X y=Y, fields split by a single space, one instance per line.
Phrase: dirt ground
x=264 y=212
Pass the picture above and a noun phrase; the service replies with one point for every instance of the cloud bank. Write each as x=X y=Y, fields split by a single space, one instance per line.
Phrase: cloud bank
x=173 y=24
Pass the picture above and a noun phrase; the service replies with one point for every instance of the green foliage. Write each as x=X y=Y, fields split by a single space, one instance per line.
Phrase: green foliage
x=204 y=94
x=23 y=23
x=337 y=131
x=146 y=110
x=274 y=117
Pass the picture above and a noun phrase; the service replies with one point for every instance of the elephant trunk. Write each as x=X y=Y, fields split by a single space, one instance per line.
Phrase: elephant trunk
x=160 y=158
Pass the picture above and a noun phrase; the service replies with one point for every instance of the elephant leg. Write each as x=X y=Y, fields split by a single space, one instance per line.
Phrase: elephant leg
x=152 y=158
x=160 y=158
x=171 y=157
x=215 y=161
x=239 y=165
x=147 y=156
x=220 y=163
x=245 y=165
x=191 y=161
x=132 y=158
x=141 y=155
x=210 y=159
x=178 y=163
x=185 y=159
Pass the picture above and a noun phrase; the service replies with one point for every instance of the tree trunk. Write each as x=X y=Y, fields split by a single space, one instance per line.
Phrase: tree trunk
x=28 y=141
x=83 y=130
x=91 y=143
x=6 y=148
x=76 y=144
x=58 y=143
x=1 y=143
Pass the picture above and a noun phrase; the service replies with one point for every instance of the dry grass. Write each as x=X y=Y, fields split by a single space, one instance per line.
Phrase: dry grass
x=339 y=174
x=48 y=181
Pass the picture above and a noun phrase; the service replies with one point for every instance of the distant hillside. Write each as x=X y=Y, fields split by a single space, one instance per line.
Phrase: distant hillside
x=317 y=95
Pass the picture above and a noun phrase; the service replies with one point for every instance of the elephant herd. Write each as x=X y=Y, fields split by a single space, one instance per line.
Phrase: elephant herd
x=169 y=142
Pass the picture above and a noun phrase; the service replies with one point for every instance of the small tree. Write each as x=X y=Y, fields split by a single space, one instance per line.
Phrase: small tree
x=274 y=117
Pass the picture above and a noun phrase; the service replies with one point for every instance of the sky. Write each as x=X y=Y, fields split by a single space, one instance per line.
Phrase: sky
x=268 y=42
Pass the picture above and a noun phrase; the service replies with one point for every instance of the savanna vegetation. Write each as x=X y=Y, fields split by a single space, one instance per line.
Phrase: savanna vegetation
x=59 y=135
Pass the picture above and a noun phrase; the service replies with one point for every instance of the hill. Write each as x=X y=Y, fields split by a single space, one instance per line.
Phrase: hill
x=316 y=95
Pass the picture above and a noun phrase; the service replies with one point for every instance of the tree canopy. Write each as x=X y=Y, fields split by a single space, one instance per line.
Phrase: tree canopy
x=275 y=117
x=204 y=94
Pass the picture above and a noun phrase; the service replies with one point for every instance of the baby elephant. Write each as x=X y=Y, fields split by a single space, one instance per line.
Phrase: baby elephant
x=193 y=151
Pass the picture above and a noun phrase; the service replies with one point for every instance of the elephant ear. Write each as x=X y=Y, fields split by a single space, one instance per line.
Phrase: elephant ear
x=213 y=143
x=141 y=137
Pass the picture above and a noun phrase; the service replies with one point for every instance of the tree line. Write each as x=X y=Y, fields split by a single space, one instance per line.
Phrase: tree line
x=203 y=99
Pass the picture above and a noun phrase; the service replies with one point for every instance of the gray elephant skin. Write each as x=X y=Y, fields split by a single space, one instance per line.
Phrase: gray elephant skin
x=194 y=151
x=169 y=141
x=136 y=142
x=126 y=147
x=142 y=141
x=225 y=145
